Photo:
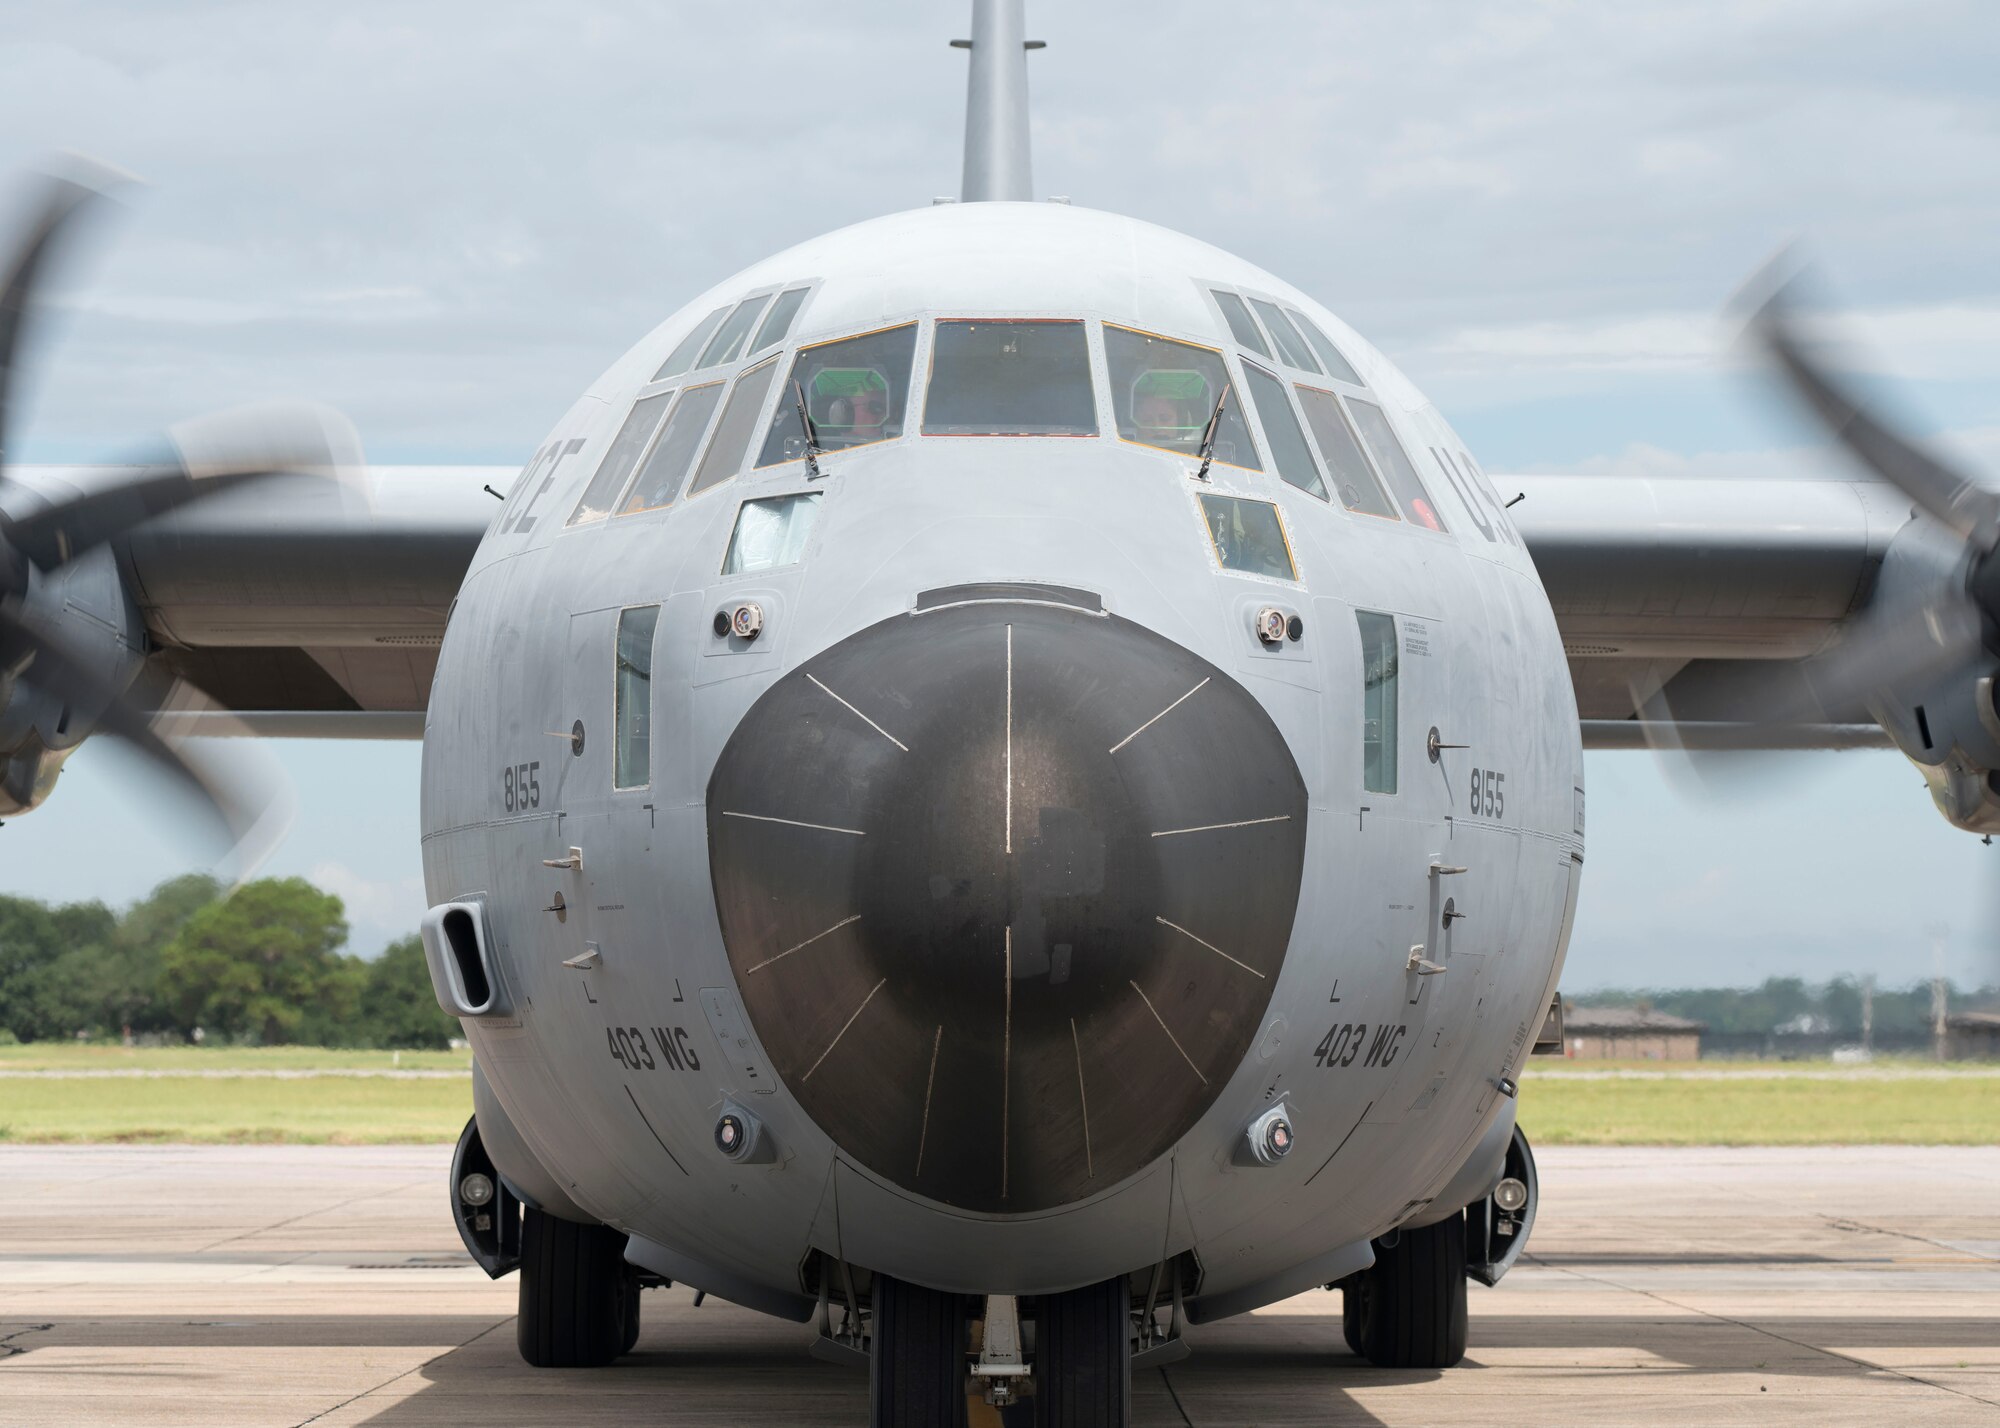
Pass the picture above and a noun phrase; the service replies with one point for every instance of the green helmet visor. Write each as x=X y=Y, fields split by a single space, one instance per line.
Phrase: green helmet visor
x=834 y=384
x=1187 y=390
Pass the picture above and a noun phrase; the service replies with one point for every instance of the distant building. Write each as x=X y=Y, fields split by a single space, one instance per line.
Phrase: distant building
x=1630 y=1034
x=1972 y=1036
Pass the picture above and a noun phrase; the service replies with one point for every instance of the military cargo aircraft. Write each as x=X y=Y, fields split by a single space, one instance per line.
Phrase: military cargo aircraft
x=1001 y=784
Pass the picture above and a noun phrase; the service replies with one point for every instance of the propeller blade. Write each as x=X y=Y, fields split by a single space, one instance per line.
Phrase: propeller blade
x=55 y=211
x=216 y=452
x=236 y=812
x=1947 y=495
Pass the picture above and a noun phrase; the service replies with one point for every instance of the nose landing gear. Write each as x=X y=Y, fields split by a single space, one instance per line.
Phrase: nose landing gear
x=921 y=1374
x=1407 y=1310
x=579 y=1305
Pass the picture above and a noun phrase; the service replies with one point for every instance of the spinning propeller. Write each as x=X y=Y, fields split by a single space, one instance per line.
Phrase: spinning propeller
x=62 y=676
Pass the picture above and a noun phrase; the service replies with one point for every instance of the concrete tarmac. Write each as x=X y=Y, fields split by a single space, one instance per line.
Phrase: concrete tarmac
x=226 y=1286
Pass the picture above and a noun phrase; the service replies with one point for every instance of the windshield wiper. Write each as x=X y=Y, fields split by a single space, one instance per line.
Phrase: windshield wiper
x=1208 y=434
x=813 y=472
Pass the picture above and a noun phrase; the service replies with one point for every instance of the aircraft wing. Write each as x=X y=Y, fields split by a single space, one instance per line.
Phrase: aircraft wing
x=1710 y=590
x=308 y=607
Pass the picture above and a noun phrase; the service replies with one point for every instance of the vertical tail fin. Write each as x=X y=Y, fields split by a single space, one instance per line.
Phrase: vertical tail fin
x=997 y=164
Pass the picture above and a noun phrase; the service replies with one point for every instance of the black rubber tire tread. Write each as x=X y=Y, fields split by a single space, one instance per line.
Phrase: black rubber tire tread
x=917 y=1364
x=1353 y=1290
x=1083 y=1357
x=628 y=1311
x=1413 y=1309
x=572 y=1292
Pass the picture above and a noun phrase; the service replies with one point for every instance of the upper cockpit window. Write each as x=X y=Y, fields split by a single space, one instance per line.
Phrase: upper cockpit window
x=1291 y=347
x=1242 y=326
x=856 y=390
x=1009 y=378
x=1289 y=452
x=682 y=356
x=659 y=479
x=777 y=322
x=729 y=448
x=1164 y=392
x=1337 y=366
x=619 y=458
x=1394 y=463
x=1353 y=479
x=1248 y=536
x=727 y=344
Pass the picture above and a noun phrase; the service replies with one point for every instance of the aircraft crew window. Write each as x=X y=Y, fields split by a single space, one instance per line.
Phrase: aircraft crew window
x=855 y=389
x=619 y=458
x=1394 y=463
x=727 y=344
x=1378 y=701
x=682 y=357
x=729 y=448
x=1337 y=366
x=660 y=477
x=777 y=323
x=632 y=698
x=1242 y=326
x=1248 y=536
x=1291 y=347
x=770 y=533
x=1010 y=379
x=1164 y=392
x=1289 y=452
x=1353 y=480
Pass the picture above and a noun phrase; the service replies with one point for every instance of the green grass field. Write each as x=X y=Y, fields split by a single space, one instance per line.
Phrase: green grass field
x=257 y=1094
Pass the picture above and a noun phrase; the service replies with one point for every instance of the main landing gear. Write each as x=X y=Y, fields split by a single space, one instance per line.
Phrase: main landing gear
x=1407 y=1310
x=921 y=1367
x=579 y=1298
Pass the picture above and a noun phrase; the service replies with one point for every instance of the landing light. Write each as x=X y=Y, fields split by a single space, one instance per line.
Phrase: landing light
x=1510 y=1194
x=475 y=1189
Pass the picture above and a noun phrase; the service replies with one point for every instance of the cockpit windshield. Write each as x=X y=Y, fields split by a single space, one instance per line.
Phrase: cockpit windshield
x=1163 y=394
x=856 y=390
x=1010 y=378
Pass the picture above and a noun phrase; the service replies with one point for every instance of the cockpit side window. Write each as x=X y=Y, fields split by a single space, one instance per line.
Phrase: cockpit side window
x=1394 y=463
x=1291 y=347
x=777 y=323
x=1248 y=536
x=1242 y=326
x=619 y=458
x=682 y=356
x=632 y=698
x=1289 y=452
x=1378 y=701
x=1353 y=479
x=1164 y=392
x=1010 y=378
x=856 y=390
x=659 y=479
x=1337 y=366
x=727 y=344
x=728 y=449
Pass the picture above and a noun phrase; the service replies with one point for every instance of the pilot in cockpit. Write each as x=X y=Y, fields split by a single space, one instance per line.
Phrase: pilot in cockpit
x=1170 y=408
x=850 y=406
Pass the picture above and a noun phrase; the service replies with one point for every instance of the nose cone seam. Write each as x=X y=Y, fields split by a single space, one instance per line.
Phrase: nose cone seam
x=1005 y=889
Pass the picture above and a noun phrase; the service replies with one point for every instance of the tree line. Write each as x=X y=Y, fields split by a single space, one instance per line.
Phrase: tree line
x=265 y=965
x=1833 y=1007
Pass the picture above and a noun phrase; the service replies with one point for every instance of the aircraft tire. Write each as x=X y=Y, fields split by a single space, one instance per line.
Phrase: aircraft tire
x=573 y=1293
x=628 y=1312
x=1083 y=1358
x=916 y=1368
x=1351 y=1291
x=1412 y=1301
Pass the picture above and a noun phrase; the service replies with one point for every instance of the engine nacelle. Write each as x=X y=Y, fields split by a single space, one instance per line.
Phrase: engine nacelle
x=1945 y=720
x=84 y=604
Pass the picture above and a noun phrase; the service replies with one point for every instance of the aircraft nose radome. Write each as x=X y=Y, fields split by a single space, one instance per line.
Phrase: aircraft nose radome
x=1005 y=888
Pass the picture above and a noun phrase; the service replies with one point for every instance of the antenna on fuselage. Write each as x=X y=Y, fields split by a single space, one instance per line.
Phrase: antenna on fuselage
x=997 y=165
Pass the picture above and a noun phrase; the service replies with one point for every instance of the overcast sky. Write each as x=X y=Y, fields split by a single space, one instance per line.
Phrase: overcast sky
x=447 y=218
